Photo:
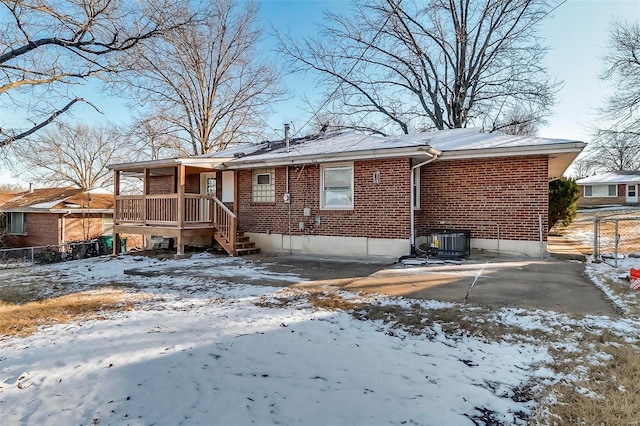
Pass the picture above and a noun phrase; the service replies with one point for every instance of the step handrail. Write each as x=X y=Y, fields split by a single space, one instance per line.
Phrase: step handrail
x=225 y=222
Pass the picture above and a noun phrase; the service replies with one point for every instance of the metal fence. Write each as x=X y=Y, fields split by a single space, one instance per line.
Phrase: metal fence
x=29 y=256
x=615 y=237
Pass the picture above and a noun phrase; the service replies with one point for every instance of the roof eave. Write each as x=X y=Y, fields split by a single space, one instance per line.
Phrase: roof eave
x=330 y=158
x=560 y=148
x=138 y=165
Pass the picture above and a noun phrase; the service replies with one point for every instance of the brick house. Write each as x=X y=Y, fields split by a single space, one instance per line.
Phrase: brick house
x=350 y=194
x=54 y=216
x=619 y=188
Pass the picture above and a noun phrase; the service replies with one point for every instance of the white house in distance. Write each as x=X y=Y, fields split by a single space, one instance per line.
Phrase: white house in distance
x=619 y=187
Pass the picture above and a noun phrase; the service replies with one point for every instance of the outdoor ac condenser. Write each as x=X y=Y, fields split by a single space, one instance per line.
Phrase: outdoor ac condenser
x=452 y=243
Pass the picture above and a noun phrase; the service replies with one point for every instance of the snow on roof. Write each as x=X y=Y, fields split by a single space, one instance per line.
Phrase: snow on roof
x=348 y=142
x=49 y=198
x=630 y=176
x=240 y=149
x=471 y=139
x=336 y=143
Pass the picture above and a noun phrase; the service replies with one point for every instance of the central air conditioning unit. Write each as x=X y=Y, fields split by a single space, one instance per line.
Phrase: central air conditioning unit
x=448 y=243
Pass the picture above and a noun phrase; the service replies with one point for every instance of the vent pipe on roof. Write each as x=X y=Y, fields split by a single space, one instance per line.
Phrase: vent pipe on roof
x=287 y=138
x=30 y=188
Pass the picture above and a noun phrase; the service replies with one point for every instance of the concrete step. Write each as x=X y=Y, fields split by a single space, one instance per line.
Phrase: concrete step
x=245 y=251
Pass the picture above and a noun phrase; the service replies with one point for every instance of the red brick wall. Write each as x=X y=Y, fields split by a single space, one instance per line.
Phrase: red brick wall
x=43 y=229
x=192 y=184
x=480 y=194
x=164 y=184
x=160 y=185
x=79 y=228
x=594 y=201
x=380 y=210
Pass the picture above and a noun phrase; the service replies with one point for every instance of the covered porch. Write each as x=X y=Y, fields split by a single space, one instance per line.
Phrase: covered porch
x=176 y=199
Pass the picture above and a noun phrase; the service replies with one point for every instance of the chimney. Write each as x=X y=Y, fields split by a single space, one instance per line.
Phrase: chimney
x=30 y=188
x=287 y=138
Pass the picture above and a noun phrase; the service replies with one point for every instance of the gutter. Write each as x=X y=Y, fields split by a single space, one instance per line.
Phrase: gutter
x=412 y=235
x=328 y=158
x=563 y=148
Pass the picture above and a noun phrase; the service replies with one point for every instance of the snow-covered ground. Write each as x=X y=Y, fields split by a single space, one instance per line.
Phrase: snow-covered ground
x=213 y=352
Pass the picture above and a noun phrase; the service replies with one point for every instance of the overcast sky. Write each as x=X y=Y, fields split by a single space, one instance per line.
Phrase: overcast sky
x=576 y=33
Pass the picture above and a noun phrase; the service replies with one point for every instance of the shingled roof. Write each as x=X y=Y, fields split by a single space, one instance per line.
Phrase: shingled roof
x=51 y=199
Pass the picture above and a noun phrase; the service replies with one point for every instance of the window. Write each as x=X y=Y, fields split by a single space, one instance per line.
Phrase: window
x=601 y=190
x=264 y=187
x=631 y=191
x=210 y=186
x=336 y=187
x=17 y=222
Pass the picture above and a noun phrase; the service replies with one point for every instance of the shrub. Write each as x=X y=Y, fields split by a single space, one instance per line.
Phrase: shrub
x=563 y=194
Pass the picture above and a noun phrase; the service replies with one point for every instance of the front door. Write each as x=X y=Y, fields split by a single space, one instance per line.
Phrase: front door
x=632 y=193
x=207 y=187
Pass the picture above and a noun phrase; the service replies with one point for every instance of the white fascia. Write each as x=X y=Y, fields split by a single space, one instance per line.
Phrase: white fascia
x=561 y=148
x=332 y=158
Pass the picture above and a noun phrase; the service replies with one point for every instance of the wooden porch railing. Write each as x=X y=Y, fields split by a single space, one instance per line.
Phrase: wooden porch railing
x=163 y=210
x=226 y=223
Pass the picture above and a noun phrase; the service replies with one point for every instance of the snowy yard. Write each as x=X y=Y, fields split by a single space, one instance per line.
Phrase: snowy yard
x=208 y=350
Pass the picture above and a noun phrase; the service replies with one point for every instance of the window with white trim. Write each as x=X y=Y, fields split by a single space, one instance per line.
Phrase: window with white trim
x=264 y=186
x=416 y=188
x=600 y=191
x=336 y=187
x=16 y=223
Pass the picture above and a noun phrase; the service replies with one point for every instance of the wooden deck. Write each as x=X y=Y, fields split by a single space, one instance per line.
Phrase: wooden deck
x=176 y=215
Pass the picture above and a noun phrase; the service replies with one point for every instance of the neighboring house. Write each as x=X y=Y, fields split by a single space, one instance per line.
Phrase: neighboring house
x=608 y=188
x=53 y=216
x=350 y=194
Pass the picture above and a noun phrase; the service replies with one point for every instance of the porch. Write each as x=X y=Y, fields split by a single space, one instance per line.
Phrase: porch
x=178 y=202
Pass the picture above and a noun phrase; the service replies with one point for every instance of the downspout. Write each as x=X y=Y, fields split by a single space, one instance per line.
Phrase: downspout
x=64 y=226
x=434 y=157
x=287 y=195
x=288 y=201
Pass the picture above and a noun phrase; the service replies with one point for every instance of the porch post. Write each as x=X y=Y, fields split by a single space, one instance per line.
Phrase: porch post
x=116 y=193
x=181 y=183
x=145 y=188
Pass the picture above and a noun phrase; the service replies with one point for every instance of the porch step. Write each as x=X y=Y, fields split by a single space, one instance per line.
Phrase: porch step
x=244 y=245
x=243 y=251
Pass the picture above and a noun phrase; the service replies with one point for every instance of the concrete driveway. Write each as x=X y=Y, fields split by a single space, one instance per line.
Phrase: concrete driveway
x=552 y=284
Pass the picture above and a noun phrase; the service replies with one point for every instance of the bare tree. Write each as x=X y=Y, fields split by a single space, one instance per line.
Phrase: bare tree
x=47 y=46
x=616 y=145
x=614 y=151
x=155 y=138
x=206 y=80
x=74 y=155
x=435 y=64
x=623 y=71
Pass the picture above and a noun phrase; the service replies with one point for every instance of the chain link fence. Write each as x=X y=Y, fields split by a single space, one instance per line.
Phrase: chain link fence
x=615 y=237
x=29 y=256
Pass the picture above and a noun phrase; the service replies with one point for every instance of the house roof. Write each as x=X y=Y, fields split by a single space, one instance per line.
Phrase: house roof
x=630 y=176
x=59 y=199
x=5 y=197
x=348 y=146
x=336 y=147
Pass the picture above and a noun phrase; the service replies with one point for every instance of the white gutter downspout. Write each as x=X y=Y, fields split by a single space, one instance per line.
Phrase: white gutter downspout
x=64 y=226
x=434 y=157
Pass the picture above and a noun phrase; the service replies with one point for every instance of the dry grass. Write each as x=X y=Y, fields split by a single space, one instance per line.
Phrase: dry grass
x=24 y=319
x=607 y=395
x=629 y=230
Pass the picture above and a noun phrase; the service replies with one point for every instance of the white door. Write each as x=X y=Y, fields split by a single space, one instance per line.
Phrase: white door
x=632 y=193
x=228 y=187
x=207 y=187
